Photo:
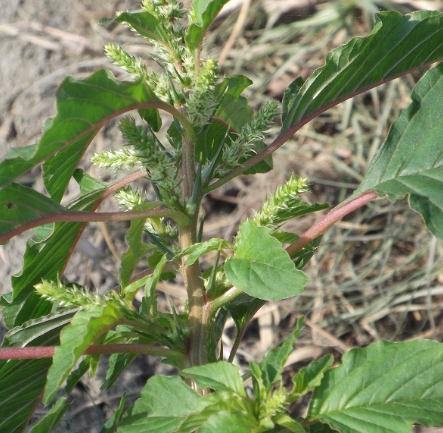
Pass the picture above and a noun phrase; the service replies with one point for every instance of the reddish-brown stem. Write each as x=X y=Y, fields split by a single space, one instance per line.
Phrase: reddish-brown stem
x=328 y=220
x=8 y=353
x=285 y=136
x=89 y=217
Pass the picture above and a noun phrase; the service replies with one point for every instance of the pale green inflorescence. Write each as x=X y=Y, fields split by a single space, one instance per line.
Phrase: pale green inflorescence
x=280 y=206
x=118 y=159
x=74 y=296
x=161 y=165
x=131 y=64
x=244 y=144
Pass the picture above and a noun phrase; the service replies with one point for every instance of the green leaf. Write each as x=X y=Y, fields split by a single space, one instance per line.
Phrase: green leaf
x=397 y=45
x=46 y=259
x=164 y=404
x=410 y=161
x=386 y=387
x=51 y=419
x=20 y=205
x=233 y=112
x=22 y=381
x=198 y=249
x=320 y=428
x=208 y=407
x=310 y=377
x=150 y=300
x=274 y=362
x=21 y=385
x=204 y=13
x=220 y=376
x=86 y=326
x=261 y=267
x=84 y=106
x=236 y=422
x=289 y=423
x=243 y=308
x=290 y=93
x=137 y=249
x=112 y=423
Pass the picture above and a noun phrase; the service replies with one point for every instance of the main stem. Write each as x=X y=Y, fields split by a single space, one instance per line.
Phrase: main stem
x=198 y=319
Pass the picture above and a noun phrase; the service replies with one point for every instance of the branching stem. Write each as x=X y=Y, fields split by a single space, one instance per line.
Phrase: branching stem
x=8 y=353
x=331 y=218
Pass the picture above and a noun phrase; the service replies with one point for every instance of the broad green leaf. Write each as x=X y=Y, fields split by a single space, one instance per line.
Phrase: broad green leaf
x=397 y=45
x=203 y=12
x=289 y=423
x=51 y=419
x=84 y=106
x=386 y=387
x=20 y=205
x=112 y=423
x=86 y=326
x=209 y=406
x=22 y=381
x=411 y=160
x=164 y=403
x=46 y=259
x=310 y=377
x=261 y=267
x=220 y=376
x=197 y=250
x=235 y=422
x=21 y=385
x=274 y=362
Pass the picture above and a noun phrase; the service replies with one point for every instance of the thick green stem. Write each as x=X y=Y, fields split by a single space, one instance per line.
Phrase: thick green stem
x=198 y=318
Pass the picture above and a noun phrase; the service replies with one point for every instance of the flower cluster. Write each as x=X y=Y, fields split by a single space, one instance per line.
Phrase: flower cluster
x=283 y=204
x=75 y=296
x=243 y=146
x=161 y=165
x=201 y=102
x=131 y=64
x=119 y=159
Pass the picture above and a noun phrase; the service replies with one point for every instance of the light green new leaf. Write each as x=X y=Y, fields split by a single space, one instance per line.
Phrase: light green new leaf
x=197 y=250
x=397 y=45
x=384 y=388
x=164 y=403
x=137 y=249
x=310 y=377
x=261 y=267
x=112 y=423
x=289 y=423
x=51 y=419
x=220 y=376
x=411 y=160
x=204 y=13
x=212 y=404
x=86 y=326
x=234 y=422
x=273 y=363
x=84 y=106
